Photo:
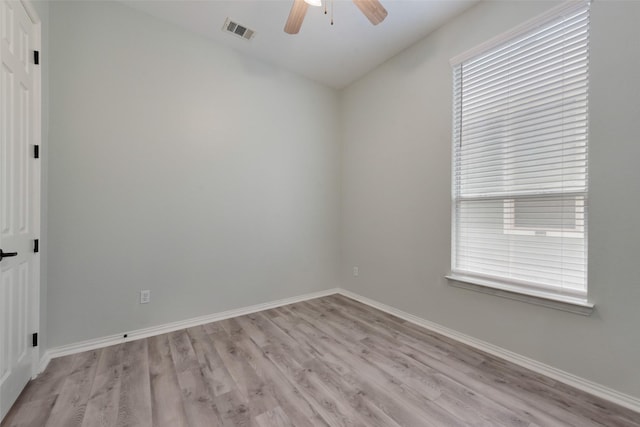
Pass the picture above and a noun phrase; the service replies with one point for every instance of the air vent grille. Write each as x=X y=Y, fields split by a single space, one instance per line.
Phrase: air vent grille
x=238 y=30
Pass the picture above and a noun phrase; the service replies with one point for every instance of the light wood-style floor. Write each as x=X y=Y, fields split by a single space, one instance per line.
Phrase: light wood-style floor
x=326 y=362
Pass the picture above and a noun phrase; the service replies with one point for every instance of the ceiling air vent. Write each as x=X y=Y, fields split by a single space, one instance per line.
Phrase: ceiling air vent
x=238 y=30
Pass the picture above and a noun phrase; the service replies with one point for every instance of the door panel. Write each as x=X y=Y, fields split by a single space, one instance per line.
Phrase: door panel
x=18 y=189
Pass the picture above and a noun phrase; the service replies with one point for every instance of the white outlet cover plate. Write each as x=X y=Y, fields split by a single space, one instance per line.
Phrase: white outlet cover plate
x=145 y=296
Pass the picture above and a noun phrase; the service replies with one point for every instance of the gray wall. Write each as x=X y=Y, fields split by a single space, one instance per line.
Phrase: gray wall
x=179 y=166
x=397 y=191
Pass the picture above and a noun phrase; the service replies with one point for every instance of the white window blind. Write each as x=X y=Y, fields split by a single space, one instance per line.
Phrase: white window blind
x=520 y=135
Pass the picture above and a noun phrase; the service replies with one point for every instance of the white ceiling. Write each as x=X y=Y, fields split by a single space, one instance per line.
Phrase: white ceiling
x=333 y=55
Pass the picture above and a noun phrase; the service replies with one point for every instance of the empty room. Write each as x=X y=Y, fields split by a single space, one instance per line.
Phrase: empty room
x=319 y=213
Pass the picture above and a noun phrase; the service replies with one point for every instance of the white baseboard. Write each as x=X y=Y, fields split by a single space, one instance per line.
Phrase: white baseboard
x=106 y=341
x=44 y=362
x=585 y=385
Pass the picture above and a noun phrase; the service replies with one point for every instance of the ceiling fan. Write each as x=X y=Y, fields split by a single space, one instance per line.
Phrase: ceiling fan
x=372 y=9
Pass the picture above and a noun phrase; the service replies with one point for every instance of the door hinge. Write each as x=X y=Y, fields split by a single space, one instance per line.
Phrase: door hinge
x=36 y=57
x=36 y=246
x=34 y=339
x=36 y=151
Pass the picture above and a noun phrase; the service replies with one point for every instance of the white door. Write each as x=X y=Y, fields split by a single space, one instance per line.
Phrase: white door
x=19 y=198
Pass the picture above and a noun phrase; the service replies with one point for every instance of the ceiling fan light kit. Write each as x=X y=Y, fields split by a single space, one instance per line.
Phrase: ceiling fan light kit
x=372 y=9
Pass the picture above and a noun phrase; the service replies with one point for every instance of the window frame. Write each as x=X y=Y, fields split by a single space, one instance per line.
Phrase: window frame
x=504 y=286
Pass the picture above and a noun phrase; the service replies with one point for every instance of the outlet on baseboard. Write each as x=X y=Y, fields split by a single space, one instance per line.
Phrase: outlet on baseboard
x=356 y=271
x=145 y=296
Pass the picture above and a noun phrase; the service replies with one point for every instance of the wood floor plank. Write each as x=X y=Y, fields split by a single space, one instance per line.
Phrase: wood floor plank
x=43 y=392
x=250 y=325
x=558 y=395
x=34 y=413
x=312 y=341
x=474 y=359
x=167 y=408
x=453 y=395
x=284 y=391
x=330 y=361
x=271 y=334
x=103 y=405
x=50 y=381
x=251 y=386
x=397 y=399
x=319 y=396
x=350 y=393
x=135 y=386
x=410 y=392
x=542 y=408
x=196 y=397
x=233 y=329
x=394 y=350
x=402 y=328
x=233 y=409
x=216 y=374
x=403 y=404
x=227 y=350
x=274 y=418
x=543 y=412
x=71 y=403
x=213 y=328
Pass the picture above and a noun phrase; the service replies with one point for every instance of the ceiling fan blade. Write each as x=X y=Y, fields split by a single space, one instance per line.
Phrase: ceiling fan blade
x=372 y=9
x=296 y=16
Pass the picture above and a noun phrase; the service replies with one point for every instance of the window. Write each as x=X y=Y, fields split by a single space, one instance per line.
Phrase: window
x=543 y=217
x=520 y=130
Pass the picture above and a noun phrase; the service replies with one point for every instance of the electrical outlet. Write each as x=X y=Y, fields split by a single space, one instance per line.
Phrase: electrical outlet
x=145 y=296
x=356 y=271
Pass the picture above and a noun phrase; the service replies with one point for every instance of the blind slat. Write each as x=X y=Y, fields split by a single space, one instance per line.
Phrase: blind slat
x=548 y=64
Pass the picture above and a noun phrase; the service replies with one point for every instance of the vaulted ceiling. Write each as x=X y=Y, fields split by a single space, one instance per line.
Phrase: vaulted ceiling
x=334 y=55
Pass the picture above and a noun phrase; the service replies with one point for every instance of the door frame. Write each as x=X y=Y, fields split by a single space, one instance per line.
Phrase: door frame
x=35 y=197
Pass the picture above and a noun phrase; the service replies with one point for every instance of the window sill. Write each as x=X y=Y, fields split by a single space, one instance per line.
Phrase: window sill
x=558 y=302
